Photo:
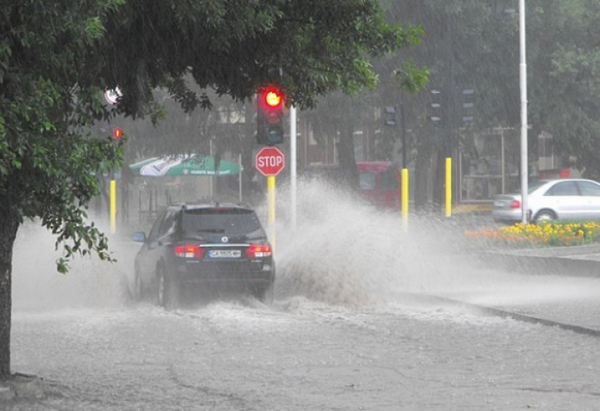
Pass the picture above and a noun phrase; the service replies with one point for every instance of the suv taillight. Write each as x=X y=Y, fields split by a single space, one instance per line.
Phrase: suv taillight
x=259 y=251
x=189 y=251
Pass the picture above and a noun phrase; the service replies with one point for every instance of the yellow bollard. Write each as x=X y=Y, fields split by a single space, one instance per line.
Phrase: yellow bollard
x=448 y=186
x=405 y=198
x=271 y=206
x=113 y=206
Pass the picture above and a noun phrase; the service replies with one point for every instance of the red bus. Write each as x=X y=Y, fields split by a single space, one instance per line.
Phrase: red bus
x=379 y=183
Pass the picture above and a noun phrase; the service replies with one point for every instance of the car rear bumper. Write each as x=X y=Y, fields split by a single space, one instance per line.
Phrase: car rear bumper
x=226 y=273
x=508 y=216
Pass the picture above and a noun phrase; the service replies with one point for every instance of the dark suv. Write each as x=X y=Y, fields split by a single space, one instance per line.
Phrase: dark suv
x=199 y=247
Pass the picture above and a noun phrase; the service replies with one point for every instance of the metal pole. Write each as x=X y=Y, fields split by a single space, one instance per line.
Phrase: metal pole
x=523 y=83
x=240 y=178
x=502 y=162
x=448 y=186
x=293 y=159
x=460 y=178
x=113 y=206
x=403 y=125
x=405 y=199
x=271 y=208
x=210 y=179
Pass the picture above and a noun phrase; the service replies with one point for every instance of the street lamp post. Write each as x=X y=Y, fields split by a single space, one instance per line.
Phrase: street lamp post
x=523 y=83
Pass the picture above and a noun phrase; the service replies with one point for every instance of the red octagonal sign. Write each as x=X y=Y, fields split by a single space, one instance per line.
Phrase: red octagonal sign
x=270 y=161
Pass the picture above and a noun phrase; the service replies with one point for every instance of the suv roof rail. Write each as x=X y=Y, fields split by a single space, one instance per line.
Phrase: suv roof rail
x=211 y=203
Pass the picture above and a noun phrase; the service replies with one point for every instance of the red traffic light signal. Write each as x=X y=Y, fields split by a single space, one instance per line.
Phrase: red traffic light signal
x=117 y=133
x=272 y=98
x=269 y=115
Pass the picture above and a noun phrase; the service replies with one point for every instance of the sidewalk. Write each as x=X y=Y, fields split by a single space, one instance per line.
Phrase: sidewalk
x=575 y=260
x=22 y=386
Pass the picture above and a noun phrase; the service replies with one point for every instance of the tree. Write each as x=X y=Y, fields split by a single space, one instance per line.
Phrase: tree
x=336 y=119
x=48 y=160
x=57 y=58
x=475 y=44
x=465 y=45
x=565 y=78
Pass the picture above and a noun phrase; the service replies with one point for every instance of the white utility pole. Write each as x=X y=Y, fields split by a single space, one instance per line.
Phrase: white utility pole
x=523 y=78
x=293 y=165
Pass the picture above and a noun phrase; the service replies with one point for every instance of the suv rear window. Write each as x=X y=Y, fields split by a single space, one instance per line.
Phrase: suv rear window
x=227 y=221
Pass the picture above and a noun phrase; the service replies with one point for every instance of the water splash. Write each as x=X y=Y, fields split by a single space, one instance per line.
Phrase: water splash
x=347 y=252
x=90 y=283
x=343 y=252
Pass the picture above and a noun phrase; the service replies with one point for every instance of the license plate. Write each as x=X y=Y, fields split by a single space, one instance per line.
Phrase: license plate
x=224 y=253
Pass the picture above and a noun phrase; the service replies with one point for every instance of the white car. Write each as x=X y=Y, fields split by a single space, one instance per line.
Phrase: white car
x=565 y=199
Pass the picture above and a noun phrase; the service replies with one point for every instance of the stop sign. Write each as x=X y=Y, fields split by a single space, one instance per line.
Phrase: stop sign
x=270 y=161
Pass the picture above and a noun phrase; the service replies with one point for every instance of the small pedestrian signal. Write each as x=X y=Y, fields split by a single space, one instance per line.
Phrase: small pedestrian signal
x=117 y=133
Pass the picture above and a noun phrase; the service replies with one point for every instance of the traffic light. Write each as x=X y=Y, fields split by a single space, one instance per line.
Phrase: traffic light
x=269 y=116
x=468 y=106
x=435 y=108
x=390 y=116
x=117 y=133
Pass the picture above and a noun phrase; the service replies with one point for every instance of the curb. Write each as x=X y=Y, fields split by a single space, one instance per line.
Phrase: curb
x=580 y=261
x=22 y=386
x=7 y=393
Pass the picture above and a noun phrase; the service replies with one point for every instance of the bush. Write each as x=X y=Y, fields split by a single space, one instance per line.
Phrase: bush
x=547 y=233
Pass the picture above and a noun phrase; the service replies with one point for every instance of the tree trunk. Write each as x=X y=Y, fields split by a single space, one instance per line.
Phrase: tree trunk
x=9 y=224
x=439 y=192
x=422 y=169
x=346 y=158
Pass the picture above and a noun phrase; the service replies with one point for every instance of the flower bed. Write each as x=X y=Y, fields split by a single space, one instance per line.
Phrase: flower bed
x=547 y=233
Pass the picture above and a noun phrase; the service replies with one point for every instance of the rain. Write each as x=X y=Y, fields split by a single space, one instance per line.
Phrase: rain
x=358 y=322
x=373 y=309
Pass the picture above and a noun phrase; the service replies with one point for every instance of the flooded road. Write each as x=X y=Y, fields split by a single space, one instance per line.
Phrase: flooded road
x=302 y=355
x=353 y=327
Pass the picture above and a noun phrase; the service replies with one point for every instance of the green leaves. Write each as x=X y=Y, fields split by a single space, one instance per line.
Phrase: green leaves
x=411 y=77
x=233 y=46
x=56 y=60
x=79 y=238
x=94 y=28
x=47 y=161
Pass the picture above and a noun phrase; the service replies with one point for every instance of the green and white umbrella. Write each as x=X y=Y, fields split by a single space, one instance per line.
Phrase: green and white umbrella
x=184 y=166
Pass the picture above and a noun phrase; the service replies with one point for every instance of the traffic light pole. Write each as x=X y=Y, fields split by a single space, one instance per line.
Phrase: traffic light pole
x=293 y=165
x=271 y=206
